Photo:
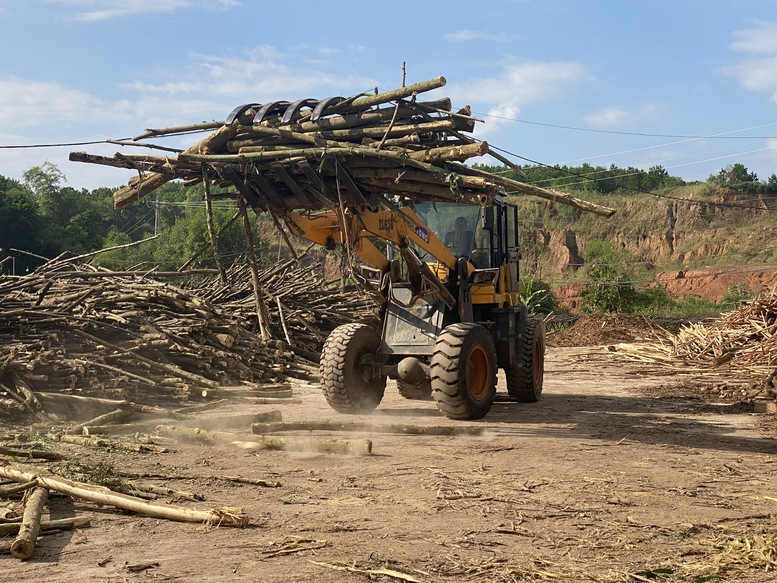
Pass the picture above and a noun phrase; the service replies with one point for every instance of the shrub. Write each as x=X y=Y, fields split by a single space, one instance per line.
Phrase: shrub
x=536 y=295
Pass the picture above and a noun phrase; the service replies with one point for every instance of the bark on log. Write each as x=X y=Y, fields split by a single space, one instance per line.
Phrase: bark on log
x=107 y=418
x=451 y=153
x=24 y=544
x=99 y=495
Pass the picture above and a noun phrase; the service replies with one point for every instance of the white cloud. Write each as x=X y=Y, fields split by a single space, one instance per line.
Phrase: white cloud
x=620 y=117
x=96 y=10
x=758 y=70
x=518 y=84
x=760 y=39
x=524 y=82
x=25 y=103
x=219 y=83
x=473 y=35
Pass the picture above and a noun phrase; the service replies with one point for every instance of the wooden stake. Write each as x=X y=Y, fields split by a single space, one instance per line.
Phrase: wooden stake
x=261 y=309
x=211 y=227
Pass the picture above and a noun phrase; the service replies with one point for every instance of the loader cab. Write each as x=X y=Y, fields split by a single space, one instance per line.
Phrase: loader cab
x=486 y=236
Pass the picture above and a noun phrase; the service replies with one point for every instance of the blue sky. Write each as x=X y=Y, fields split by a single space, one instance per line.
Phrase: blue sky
x=687 y=84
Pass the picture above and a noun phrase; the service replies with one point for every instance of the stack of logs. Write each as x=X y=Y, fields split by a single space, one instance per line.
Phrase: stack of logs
x=72 y=328
x=319 y=154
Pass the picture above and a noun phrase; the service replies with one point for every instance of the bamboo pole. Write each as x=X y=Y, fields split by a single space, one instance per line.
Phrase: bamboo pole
x=143 y=185
x=24 y=544
x=100 y=495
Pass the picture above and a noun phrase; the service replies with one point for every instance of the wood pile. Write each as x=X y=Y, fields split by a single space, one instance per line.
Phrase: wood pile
x=742 y=342
x=69 y=328
x=321 y=154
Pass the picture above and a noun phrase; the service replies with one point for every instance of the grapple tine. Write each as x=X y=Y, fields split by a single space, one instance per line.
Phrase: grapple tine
x=268 y=109
x=318 y=111
x=238 y=111
x=294 y=108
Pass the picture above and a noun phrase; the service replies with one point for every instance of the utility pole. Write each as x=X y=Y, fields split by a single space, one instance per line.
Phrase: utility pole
x=157 y=215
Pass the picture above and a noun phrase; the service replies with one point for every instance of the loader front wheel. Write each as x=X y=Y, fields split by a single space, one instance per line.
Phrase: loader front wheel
x=463 y=371
x=347 y=372
x=524 y=379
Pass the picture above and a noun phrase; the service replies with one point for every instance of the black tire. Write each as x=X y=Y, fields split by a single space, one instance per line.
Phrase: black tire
x=524 y=380
x=346 y=378
x=416 y=391
x=463 y=371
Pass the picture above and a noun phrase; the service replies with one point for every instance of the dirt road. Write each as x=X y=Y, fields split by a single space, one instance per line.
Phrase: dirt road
x=608 y=478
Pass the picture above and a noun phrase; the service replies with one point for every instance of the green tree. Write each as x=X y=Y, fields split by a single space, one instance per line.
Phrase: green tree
x=609 y=285
x=20 y=224
x=737 y=176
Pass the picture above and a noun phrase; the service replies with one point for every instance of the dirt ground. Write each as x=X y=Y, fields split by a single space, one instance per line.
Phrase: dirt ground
x=612 y=476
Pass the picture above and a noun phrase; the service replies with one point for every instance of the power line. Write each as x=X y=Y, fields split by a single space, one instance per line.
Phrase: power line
x=723 y=135
x=61 y=145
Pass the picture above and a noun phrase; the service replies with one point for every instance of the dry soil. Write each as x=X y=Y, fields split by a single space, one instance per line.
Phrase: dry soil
x=610 y=477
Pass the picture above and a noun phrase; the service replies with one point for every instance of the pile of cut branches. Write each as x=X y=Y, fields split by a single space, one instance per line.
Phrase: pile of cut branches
x=742 y=342
x=72 y=328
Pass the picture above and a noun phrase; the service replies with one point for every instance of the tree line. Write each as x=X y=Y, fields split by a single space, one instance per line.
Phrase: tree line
x=587 y=178
x=41 y=217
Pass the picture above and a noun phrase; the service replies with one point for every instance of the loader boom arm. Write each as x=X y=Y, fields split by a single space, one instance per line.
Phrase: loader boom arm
x=357 y=225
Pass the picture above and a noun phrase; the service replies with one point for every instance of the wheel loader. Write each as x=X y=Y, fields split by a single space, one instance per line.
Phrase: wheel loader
x=446 y=277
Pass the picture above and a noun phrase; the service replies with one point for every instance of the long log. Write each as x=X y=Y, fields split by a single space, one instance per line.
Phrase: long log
x=451 y=153
x=334 y=138
x=372 y=117
x=24 y=544
x=531 y=190
x=275 y=427
x=140 y=187
x=100 y=495
x=46 y=525
x=380 y=98
x=269 y=442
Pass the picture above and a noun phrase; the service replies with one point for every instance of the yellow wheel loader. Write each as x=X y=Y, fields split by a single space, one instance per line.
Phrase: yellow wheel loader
x=446 y=277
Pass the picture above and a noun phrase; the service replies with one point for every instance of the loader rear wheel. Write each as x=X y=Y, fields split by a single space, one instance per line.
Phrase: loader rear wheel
x=347 y=372
x=416 y=391
x=524 y=380
x=463 y=371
